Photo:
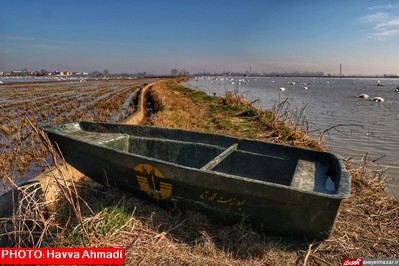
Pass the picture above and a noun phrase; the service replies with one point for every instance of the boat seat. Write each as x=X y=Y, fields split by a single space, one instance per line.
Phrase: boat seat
x=304 y=175
x=112 y=140
x=218 y=159
x=312 y=176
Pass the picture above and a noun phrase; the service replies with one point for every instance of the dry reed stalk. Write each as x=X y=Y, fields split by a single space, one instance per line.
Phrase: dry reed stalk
x=282 y=124
x=48 y=108
x=31 y=224
x=5 y=129
x=66 y=184
x=366 y=227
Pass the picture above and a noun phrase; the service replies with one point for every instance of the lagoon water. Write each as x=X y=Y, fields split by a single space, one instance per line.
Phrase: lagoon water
x=360 y=126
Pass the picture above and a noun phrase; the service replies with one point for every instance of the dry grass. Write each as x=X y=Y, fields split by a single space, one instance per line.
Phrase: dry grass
x=93 y=215
x=232 y=115
x=368 y=222
x=46 y=103
x=282 y=124
x=177 y=111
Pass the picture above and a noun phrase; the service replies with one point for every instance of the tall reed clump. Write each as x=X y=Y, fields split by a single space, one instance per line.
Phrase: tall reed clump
x=54 y=210
x=41 y=208
x=282 y=124
x=92 y=215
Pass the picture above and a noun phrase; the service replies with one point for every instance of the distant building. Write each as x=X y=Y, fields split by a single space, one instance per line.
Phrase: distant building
x=65 y=73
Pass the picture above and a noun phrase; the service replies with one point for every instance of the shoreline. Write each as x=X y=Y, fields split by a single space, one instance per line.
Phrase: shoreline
x=177 y=232
x=366 y=132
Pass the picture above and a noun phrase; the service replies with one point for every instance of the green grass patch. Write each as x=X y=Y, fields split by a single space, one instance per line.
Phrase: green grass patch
x=194 y=94
x=105 y=222
x=238 y=117
x=225 y=109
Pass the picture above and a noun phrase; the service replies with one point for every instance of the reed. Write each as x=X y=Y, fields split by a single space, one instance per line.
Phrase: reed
x=56 y=103
x=5 y=130
x=96 y=216
x=31 y=224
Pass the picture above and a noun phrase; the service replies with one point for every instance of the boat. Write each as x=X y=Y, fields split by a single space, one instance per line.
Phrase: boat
x=279 y=189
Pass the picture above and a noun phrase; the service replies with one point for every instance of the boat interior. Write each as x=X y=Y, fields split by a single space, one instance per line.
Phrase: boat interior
x=300 y=174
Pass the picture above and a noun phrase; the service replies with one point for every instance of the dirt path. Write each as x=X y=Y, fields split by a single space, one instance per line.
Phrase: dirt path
x=140 y=114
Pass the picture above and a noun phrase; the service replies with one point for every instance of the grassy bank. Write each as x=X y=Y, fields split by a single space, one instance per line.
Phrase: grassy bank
x=100 y=216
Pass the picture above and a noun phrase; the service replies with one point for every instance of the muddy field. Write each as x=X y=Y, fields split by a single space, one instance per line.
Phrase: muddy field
x=54 y=102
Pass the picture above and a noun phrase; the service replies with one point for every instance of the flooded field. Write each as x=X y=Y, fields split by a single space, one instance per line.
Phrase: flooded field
x=21 y=152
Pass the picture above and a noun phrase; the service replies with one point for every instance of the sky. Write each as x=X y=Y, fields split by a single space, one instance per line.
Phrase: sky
x=156 y=36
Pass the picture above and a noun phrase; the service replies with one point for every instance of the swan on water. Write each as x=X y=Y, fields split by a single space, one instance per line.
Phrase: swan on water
x=378 y=99
x=305 y=88
x=282 y=89
x=364 y=96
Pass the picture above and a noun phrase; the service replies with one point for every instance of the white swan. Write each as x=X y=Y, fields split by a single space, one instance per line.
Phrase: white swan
x=378 y=99
x=364 y=96
x=305 y=88
x=282 y=89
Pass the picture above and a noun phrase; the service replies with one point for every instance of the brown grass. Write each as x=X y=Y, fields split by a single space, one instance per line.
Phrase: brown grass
x=232 y=115
x=177 y=111
x=100 y=216
x=92 y=101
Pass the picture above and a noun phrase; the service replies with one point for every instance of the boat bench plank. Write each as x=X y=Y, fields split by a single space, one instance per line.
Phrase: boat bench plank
x=112 y=140
x=220 y=157
x=304 y=175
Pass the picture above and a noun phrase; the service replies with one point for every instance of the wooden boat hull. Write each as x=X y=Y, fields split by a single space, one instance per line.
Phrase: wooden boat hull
x=279 y=189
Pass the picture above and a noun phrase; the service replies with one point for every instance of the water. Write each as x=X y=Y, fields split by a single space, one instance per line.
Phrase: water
x=359 y=126
x=6 y=79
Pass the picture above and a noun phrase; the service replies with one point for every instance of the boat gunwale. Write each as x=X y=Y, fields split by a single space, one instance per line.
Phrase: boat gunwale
x=343 y=190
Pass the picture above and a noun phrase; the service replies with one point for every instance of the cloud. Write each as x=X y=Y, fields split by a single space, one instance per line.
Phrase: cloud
x=388 y=6
x=377 y=17
x=384 y=34
x=390 y=23
x=384 y=25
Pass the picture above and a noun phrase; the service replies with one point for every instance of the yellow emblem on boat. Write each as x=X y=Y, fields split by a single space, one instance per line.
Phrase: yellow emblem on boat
x=150 y=180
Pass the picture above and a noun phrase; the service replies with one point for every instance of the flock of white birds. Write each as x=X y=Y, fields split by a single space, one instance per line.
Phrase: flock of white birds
x=240 y=81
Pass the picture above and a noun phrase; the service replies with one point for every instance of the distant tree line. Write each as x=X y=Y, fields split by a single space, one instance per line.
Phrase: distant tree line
x=174 y=72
